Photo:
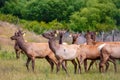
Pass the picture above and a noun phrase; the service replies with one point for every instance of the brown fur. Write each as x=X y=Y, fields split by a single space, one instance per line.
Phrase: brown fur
x=61 y=33
x=17 y=50
x=91 y=52
x=34 y=50
x=88 y=52
x=61 y=51
x=91 y=40
x=90 y=37
x=110 y=50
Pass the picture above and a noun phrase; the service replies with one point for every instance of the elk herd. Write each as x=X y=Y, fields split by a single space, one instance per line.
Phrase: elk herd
x=59 y=53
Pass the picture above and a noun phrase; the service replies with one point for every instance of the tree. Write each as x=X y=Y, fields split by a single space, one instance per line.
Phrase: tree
x=14 y=7
x=94 y=15
x=2 y=3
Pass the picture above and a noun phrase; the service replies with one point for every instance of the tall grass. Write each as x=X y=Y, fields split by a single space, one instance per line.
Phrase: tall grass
x=13 y=69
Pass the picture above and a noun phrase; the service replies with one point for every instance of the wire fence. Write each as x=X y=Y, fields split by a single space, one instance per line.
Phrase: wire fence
x=111 y=36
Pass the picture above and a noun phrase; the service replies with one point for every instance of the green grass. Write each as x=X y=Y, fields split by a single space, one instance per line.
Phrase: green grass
x=13 y=69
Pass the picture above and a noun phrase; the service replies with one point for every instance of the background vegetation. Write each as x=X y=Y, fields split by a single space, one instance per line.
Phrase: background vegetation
x=42 y=15
x=12 y=69
x=75 y=15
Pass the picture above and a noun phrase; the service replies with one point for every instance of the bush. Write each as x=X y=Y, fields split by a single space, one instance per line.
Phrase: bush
x=9 y=18
x=35 y=26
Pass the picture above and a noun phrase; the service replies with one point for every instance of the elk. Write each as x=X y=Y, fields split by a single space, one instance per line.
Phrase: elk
x=92 y=52
x=109 y=50
x=90 y=40
x=17 y=50
x=75 y=41
x=75 y=38
x=34 y=50
x=91 y=36
x=88 y=52
x=61 y=33
x=62 y=52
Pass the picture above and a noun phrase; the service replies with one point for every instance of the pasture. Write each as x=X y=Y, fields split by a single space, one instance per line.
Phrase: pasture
x=12 y=69
x=15 y=69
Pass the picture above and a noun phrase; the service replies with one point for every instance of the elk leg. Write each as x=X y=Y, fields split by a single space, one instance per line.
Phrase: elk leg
x=58 y=66
x=100 y=66
x=22 y=52
x=64 y=67
x=27 y=63
x=96 y=65
x=114 y=62
x=107 y=66
x=50 y=62
x=75 y=65
x=91 y=63
x=85 y=65
x=33 y=64
x=103 y=61
x=79 y=67
x=81 y=59
x=64 y=63
x=53 y=58
x=17 y=54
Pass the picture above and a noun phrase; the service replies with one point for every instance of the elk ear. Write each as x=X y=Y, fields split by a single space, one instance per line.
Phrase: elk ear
x=57 y=32
x=15 y=33
x=70 y=35
x=55 y=35
x=24 y=34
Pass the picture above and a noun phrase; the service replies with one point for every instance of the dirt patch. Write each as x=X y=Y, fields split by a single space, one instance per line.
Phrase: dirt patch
x=7 y=30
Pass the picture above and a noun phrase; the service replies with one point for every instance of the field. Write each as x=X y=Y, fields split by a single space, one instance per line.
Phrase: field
x=13 y=69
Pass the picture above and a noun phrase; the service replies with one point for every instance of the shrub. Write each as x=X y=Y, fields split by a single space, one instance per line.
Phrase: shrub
x=34 y=26
x=9 y=18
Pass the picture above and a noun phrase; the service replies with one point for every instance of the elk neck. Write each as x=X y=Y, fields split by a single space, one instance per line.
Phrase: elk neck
x=74 y=41
x=22 y=44
x=89 y=41
x=53 y=45
x=60 y=40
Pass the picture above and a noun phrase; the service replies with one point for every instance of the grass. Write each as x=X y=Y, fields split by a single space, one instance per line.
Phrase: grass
x=13 y=69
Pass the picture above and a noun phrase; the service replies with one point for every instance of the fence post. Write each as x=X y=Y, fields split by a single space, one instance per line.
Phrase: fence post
x=103 y=36
x=113 y=35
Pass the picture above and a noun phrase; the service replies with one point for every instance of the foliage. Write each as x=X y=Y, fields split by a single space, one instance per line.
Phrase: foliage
x=2 y=2
x=14 y=7
x=40 y=27
x=42 y=10
x=9 y=18
x=35 y=26
x=95 y=17
x=76 y=15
